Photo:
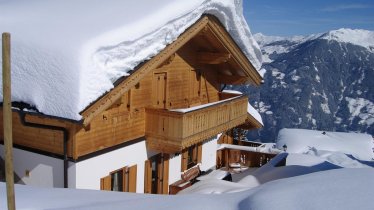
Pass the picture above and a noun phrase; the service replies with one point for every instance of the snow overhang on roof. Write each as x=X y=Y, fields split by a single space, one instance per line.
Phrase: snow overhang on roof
x=65 y=55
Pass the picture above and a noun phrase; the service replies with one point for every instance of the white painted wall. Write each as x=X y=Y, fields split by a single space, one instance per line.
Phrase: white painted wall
x=44 y=171
x=88 y=172
x=209 y=154
x=175 y=167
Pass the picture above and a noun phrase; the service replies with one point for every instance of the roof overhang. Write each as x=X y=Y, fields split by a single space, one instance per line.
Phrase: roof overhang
x=206 y=23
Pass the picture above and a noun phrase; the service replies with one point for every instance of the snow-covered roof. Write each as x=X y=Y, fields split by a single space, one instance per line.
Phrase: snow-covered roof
x=254 y=113
x=301 y=141
x=66 y=54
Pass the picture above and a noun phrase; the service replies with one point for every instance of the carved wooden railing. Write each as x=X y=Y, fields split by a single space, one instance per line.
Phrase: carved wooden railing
x=173 y=130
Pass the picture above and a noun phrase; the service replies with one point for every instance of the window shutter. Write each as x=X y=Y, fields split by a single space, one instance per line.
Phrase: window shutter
x=165 y=183
x=132 y=178
x=199 y=152
x=184 y=160
x=148 y=177
x=106 y=183
x=125 y=179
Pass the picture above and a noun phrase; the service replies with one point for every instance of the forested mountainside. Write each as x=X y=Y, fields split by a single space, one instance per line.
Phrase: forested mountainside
x=322 y=81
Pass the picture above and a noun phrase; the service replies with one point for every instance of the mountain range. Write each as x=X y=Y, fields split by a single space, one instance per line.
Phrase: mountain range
x=321 y=81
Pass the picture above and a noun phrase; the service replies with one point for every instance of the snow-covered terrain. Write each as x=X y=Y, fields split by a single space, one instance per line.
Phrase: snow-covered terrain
x=66 y=54
x=306 y=182
x=279 y=45
x=321 y=81
x=359 y=37
x=334 y=189
x=300 y=141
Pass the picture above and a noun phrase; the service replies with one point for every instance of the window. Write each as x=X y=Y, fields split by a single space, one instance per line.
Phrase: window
x=121 y=180
x=117 y=181
x=191 y=156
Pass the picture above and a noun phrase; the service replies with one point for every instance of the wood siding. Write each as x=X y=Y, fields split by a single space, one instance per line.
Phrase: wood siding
x=170 y=131
x=175 y=84
x=41 y=139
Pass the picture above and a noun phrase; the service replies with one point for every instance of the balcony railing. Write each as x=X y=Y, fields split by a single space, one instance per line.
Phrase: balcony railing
x=173 y=130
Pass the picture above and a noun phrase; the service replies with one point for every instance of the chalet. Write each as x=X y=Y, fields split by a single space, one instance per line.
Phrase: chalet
x=160 y=120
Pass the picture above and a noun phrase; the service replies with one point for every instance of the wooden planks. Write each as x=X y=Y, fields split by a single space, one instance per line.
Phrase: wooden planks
x=166 y=130
x=213 y=58
x=37 y=138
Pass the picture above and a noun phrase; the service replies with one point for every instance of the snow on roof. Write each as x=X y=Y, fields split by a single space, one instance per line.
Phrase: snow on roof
x=301 y=140
x=253 y=112
x=263 y=148
x=66 y=54
x=185 y=110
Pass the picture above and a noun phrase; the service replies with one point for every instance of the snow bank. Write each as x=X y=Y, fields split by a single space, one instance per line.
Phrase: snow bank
x=66 y=54
x=335 y=189
x=300 y=141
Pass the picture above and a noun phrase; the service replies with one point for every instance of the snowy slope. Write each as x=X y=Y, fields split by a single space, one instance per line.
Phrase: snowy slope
x=66 y=54
x=301 y=140
x=278 y=45
x=359 y=37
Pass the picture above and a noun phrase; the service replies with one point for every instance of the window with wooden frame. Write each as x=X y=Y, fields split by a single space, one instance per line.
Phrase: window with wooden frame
x=191 y=156
x=156 y=174
x=121 y=180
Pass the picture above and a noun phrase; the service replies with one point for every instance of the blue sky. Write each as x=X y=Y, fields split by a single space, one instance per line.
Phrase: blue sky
x=302 y=17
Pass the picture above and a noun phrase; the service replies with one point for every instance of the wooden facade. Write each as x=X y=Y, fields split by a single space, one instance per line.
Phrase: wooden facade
x=188 y=73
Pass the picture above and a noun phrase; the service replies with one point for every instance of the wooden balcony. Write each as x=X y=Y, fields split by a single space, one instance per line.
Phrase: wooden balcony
x=172 y=131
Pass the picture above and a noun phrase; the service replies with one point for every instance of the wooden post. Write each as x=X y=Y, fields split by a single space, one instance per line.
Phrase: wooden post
x=7 y=122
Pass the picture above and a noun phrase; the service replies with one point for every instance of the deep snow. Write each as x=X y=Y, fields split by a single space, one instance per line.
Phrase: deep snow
x=66 y=54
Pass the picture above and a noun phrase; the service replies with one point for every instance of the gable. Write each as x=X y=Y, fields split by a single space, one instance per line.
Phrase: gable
x=238 y=68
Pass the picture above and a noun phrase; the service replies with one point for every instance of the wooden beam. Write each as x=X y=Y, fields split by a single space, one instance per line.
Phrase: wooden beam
x=7 y=119
x=212 y=58
x=231 y=79
x=237 y=54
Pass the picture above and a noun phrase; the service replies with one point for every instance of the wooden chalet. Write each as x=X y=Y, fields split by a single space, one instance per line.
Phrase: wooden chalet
x=154 y=125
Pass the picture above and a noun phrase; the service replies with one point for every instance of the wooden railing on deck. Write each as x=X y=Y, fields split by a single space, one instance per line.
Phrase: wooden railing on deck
x=226 y=157
x=175 y=130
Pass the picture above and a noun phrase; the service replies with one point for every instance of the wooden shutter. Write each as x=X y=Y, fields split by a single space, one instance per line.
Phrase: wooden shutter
x=184 y=159
x=132 y=178
x=125 y=179
x=159 y=90
x=106 y=183
x=148 y=176
x=199 y=152
x=160 y=173
x=165 y=182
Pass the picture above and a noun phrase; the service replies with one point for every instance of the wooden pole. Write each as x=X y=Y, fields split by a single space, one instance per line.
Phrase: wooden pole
x=7 y=122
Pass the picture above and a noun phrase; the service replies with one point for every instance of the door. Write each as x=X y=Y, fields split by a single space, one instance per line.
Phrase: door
x=157 y=174
x=159 y=90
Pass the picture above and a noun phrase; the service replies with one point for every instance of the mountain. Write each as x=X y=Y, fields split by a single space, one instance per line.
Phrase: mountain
x=322 y=81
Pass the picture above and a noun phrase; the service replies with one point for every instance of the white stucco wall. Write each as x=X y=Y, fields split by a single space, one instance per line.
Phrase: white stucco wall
x=175 y=166
x=88 y=172
x=209 y=154
x=44 y=171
